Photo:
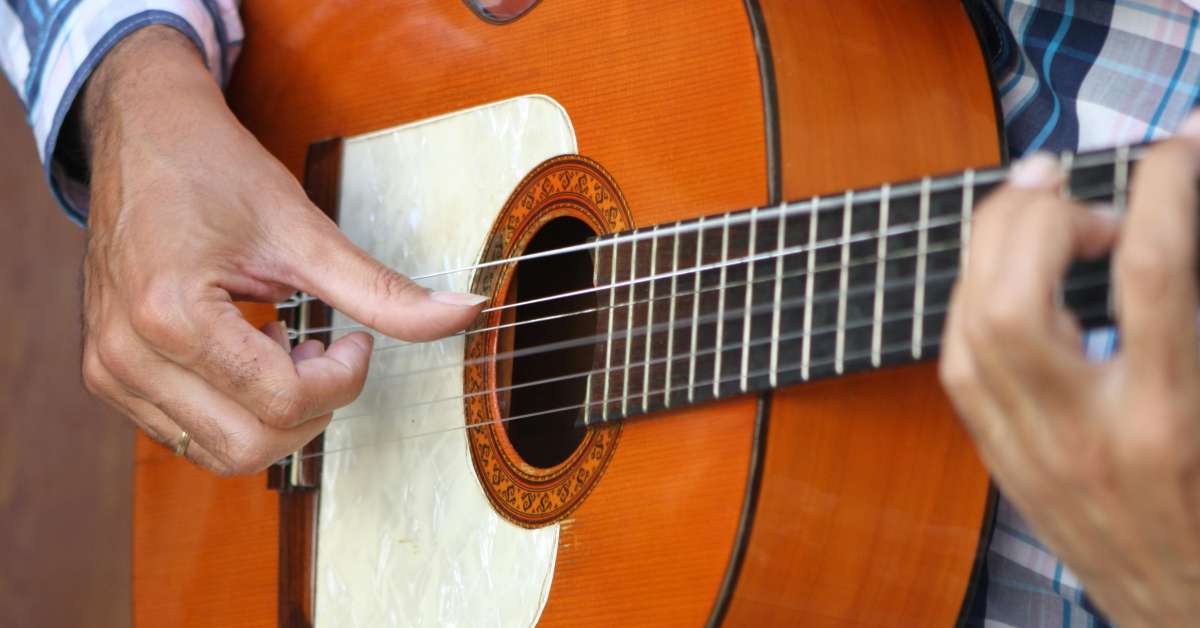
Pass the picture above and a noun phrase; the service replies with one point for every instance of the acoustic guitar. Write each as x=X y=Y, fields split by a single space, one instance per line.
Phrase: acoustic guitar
x=702 y=391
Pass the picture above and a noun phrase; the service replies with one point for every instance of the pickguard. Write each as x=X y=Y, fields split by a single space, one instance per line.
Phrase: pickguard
x=406 y=535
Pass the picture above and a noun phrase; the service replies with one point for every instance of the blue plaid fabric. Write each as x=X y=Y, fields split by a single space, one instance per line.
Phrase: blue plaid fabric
x=48 y=49
x=1072 y=75
x=1078 y=75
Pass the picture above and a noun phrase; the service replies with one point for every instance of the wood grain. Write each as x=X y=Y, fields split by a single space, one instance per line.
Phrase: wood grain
x=870 y=485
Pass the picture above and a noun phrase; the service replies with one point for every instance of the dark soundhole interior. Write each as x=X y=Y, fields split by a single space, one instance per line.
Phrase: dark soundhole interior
x=548 y=439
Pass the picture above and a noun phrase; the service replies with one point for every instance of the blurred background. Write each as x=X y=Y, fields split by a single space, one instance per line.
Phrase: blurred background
x=66 y=467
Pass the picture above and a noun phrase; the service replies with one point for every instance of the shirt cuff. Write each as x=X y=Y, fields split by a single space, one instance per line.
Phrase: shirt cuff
x=80 y=35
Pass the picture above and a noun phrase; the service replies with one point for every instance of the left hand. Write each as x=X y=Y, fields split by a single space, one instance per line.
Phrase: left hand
x=1102 y=458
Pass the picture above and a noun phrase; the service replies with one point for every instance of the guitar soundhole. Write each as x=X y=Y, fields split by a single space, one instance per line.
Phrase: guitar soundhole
x=547 y=434
x=525 y=379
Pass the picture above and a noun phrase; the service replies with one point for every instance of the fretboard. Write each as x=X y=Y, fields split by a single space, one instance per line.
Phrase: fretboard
x=835 y=284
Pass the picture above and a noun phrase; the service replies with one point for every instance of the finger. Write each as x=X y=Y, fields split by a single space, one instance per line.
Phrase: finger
x=156 y=425
x=223 y=426
x=977 y=406
x=1155 y=262
x=233 y=435
x=1029 y=235
x=347 y=278
x=165 y=432
x=252 y=367
x=988 y=255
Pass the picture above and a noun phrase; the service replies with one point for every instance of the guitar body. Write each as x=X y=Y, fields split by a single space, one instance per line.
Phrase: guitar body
x=851 y=501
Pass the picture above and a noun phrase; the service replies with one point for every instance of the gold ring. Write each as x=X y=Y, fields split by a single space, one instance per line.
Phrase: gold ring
x=181 y=443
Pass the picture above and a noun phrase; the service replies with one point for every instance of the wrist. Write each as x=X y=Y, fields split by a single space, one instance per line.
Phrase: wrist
x=143 y=75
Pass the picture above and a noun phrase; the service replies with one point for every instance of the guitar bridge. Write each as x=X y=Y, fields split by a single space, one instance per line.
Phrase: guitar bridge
x=301 y=470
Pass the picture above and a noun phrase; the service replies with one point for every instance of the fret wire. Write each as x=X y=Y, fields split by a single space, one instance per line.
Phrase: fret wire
x=587 y=388
x=776 y=313
x=749 y=294
x=967 y=212
x=695 y=314
x=843 y=277
x=919 y=290
x=612 y=300
x=1120 y=179
x=880 y=274
x=808 y=287
x=1066 y=158
x=629 y=329
x=721 y=308
x=671 y=318
x=649 y=321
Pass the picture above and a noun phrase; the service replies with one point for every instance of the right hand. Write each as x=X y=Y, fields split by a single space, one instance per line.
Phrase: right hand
x=189 y=212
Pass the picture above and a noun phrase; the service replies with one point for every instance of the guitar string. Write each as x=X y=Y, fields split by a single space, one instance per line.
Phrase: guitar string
x=903 y=348
x=937 y=184
x=658 y=327
x=759 y=281
x=544 y=348
x=1091 y=280
x=652 y=327
x=898 y=230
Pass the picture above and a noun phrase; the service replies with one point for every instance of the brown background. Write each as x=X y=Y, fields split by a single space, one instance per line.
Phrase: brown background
x=65 y=461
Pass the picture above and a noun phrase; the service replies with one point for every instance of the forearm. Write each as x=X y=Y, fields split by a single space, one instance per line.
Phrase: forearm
x=153 y=76
x=53 y=49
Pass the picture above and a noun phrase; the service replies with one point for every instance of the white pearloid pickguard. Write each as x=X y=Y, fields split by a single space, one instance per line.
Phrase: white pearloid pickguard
x=405 y=533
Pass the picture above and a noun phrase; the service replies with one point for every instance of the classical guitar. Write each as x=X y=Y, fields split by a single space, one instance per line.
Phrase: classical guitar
x=702 y=390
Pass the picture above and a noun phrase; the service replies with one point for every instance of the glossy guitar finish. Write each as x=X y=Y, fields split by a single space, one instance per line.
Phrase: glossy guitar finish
x=854 y=501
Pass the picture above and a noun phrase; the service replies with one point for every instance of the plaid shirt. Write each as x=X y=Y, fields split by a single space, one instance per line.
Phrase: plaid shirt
x=1072 y=75
x=1078 y=75
x=48 y=48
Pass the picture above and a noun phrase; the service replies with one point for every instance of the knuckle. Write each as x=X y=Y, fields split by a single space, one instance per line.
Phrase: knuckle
x=1159 y=440
x=285 y=408
x=1143 y=268
x=957 y=377
x=1004 y=320
x=112 y=354
x=245 y=455
x=94 y=379
x=389 y=284
x=156 y=316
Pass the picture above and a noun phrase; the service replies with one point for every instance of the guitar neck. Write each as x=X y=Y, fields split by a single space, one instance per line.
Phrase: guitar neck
x=767 y=297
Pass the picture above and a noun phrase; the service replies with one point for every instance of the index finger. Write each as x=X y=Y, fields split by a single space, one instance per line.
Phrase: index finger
x=1155 y=261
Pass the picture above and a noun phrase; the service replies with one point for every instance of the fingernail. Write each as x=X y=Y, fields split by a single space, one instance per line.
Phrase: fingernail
x=463 y=299
x=1106 y=211
x=1038 y=170
x=308 y=350
x=1191 y=126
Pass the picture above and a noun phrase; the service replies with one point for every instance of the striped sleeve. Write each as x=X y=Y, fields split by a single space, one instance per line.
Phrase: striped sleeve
x=49 y=48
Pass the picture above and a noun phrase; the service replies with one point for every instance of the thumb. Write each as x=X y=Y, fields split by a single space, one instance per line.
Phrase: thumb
x=347 y=278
